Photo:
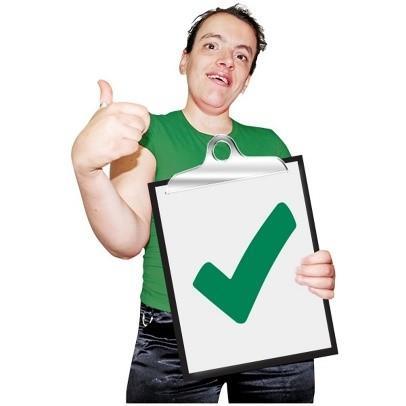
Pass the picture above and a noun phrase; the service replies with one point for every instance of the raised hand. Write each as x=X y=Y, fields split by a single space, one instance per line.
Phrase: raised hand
x=112 y=132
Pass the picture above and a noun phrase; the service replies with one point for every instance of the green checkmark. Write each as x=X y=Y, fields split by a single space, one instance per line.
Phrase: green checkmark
x=236 y=296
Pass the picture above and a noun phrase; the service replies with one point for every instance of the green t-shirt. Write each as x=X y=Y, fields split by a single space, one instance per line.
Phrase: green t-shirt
x=178 y=146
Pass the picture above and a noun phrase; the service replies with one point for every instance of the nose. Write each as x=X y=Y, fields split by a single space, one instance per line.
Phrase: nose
x=226 y=60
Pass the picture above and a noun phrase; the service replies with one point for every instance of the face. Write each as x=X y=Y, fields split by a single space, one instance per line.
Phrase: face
x=218 y=66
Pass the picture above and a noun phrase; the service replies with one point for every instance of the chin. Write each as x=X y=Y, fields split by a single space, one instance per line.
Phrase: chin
x=216 y=104
x=213 y=109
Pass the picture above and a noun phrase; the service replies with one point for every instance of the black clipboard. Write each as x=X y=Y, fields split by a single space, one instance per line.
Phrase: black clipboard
x=210 y=344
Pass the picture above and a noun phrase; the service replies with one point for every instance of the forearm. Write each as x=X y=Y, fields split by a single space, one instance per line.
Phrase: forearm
x=121 y=231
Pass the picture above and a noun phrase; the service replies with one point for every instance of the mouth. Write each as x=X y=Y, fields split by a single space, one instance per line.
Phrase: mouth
x=220 y=79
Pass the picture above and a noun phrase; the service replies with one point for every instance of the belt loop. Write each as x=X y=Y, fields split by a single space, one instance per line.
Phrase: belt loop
x=144 y=322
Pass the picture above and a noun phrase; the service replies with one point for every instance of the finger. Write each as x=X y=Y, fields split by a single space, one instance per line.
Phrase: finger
x=130 y=133
x=132 y=121
x=318 y=257
x=106 y=93
x=127 y=147
x=130 y=108
x=315 y=282
x=316 y=270
x=323 y=293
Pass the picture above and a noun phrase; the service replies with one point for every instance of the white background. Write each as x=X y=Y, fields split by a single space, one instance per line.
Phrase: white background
x=332 y=84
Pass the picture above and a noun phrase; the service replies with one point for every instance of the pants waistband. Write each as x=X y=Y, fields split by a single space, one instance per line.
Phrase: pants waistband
x=149 y=314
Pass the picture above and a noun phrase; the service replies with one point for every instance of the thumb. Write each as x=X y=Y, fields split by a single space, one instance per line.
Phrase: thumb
x=106 y=92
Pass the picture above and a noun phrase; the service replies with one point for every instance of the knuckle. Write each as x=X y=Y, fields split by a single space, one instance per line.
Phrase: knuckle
x=139 y=122
x=144 y=113
x=143 y=110
x=325 y=255
x=330 y=270
x=134 y=134
x=325 y=270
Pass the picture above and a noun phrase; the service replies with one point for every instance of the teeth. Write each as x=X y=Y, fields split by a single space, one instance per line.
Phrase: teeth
x=225 y=80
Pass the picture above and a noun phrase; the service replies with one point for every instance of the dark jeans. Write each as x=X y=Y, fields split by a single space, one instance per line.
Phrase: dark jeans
x=156 y=376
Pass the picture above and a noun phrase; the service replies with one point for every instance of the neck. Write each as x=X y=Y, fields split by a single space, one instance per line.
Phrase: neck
x=213 y=124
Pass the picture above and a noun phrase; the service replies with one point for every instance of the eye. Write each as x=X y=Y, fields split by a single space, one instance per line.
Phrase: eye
x=210 y=45
x=242 y=57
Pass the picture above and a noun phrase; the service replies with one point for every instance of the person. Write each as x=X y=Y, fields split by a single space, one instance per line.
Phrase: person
x=219 y=59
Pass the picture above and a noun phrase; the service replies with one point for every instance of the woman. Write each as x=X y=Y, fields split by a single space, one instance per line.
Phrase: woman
x=218 y=61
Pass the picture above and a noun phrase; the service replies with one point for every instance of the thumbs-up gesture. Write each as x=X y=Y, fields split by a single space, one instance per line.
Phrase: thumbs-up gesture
x=112 y=132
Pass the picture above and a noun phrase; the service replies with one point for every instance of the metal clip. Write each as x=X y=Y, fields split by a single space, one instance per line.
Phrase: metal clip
x=149 y=321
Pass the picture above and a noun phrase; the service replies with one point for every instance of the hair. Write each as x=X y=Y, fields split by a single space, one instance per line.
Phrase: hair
x=238 y=11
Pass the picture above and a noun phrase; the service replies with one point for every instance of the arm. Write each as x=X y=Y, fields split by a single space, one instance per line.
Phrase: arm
x=119 y=210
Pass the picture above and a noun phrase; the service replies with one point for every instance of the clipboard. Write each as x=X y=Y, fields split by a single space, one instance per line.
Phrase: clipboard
x=231 y=234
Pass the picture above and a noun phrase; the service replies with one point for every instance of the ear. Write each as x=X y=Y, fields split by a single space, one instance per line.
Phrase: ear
x=183 y=62
x=246 y=83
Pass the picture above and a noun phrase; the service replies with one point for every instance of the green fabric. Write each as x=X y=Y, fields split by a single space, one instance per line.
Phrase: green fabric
x=178 y=146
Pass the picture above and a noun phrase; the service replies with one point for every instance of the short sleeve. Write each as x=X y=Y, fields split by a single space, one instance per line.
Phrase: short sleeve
x=148 y=139
x=282 y=149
